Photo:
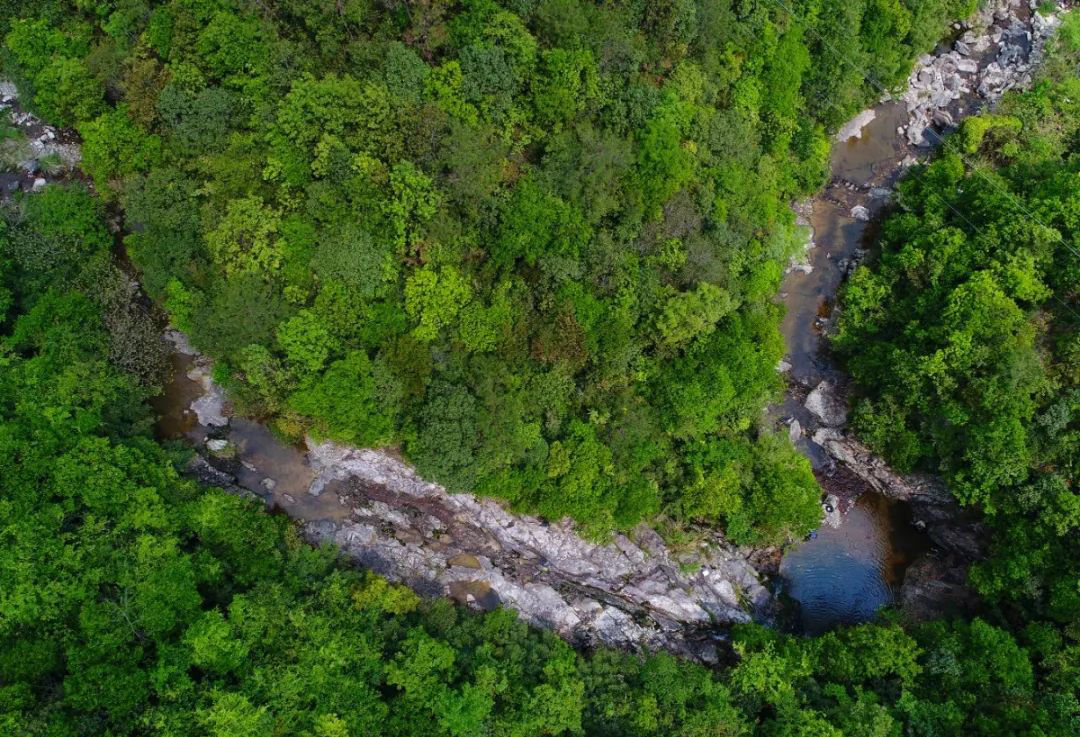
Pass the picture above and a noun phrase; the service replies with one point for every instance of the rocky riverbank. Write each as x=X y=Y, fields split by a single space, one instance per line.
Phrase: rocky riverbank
x=633 y=592
x=35 y=153
x=996 y=50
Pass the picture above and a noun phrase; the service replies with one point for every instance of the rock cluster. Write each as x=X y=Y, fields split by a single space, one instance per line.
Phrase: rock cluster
x=936 y=586
x=826 y=406
x=933 y=507
x=40 y=154
x=630 y=592
x=854 y=127
x=804 y=210
x=209 y=407
x=996 y=52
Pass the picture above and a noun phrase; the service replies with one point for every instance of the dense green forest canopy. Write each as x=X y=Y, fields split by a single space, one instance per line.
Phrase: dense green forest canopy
x=335 y=202
x=134 y=602
x=534 y=243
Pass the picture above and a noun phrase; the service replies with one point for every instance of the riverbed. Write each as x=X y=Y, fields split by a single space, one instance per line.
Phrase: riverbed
x=855 y=564
x=635 y=591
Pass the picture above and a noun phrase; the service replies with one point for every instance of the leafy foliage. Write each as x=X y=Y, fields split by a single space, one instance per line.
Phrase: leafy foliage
x=135 y=602
x=504 y=196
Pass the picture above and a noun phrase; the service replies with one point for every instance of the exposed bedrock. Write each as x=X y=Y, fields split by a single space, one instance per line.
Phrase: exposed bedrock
x=633 y=591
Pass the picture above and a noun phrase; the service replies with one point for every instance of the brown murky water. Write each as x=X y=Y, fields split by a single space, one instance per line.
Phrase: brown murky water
x=264 y=464
x=844 y=575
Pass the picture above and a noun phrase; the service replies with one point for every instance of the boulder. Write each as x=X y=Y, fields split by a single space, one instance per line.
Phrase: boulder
x=854 y=127
x=823 y=403
x=795 y=431
x=935 y=586
x=221 y=448
x=830 y=511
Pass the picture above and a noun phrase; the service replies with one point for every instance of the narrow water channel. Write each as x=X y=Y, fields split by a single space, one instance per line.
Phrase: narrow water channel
x=854 y=565
x=273 y=470
x=847 y=571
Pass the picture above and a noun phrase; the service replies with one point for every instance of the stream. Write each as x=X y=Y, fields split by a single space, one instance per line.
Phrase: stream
x=853 y=567
x=855 y=564
x=637 y=591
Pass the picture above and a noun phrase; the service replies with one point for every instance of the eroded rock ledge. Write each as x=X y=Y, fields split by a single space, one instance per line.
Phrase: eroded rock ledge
x=633 y=592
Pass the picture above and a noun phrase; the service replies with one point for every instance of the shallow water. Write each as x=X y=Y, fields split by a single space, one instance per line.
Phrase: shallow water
x=264 y=464
x=845 y=575
x=875 y=153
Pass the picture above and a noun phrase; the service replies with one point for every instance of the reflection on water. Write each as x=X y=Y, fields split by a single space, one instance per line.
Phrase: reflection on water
x=173 y=405
x=844 y=575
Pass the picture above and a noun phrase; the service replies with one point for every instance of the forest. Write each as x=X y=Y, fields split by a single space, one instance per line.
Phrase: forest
x=534 y=245
x=134 y=601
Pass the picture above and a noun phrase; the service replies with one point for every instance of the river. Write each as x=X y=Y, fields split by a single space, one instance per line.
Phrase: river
x=856 y=563
x=635 y=591
x=853 y=566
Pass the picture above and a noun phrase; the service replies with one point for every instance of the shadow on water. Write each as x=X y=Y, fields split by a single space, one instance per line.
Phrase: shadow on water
x=844 y=575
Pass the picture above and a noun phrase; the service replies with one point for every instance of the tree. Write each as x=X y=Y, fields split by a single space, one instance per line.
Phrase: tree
x=306 y=342
x=433 y=298
x=198 y=122
x=67 y=93
x=537 y=223
x=245 y=239
x=689 y=315
x=344 y=400
x=114 y=147
x=413 y=202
